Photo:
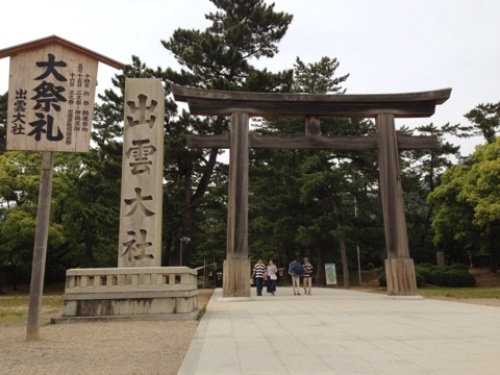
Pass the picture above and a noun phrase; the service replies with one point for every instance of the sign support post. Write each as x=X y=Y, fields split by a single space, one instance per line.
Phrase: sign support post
x=40 y=247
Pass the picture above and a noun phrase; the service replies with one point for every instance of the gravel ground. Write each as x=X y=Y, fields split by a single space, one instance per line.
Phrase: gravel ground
x=97 y=348
x=157 y=347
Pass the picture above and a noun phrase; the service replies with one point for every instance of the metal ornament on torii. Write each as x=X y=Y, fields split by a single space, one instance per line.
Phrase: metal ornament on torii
x=384 y=108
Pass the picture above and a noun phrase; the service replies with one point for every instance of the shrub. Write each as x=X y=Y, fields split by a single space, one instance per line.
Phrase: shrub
x=420 y=280
x=457 y=278
x=382 y=281
x=369 y=266
x=437 y=277
x=458 y=267
x=424 y=272
x=425 y=265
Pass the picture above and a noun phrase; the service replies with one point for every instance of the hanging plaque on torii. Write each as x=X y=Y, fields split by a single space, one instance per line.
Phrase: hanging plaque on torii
x=384 y=108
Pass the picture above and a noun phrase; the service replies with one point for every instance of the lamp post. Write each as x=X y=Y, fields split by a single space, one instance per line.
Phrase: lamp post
x=357 y=244
x=184 y=240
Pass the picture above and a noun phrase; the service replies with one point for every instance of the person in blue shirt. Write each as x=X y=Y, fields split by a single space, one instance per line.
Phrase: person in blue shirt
x=296 y=270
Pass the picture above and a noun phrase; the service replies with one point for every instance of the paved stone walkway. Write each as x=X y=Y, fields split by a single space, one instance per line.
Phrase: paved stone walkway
x=344 y=332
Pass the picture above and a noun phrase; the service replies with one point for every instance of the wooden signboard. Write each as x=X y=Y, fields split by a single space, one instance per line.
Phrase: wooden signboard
x=51 y=103
x=51 y=95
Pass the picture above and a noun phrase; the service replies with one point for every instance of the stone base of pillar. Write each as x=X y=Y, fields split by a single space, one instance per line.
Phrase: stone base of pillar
x=132 y=293
x=236 y=278
x=400 y=276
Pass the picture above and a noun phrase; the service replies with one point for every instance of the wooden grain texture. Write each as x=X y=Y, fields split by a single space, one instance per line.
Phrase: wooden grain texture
x=40 y=247
x=400 y=276
x=54 y=39
x=391 y=191
x=237 y=217
x=236 y=277
x=213 y=102
x=50 y=122
x=313 y=141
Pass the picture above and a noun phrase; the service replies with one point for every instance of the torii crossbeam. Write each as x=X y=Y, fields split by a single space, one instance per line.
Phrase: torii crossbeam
x=400 y=270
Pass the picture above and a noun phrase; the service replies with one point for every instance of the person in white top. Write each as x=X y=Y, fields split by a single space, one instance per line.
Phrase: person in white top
x=272 y=277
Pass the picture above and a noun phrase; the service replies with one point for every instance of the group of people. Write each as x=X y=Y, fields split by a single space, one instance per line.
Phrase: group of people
x=262 y=272
x=296 y=271
x=269 y=273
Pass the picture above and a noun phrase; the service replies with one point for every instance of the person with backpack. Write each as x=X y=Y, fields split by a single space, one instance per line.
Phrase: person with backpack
x=296 y=270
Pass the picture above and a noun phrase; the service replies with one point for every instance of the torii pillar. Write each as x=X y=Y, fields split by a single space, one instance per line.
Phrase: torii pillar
x=400 y=270
x=236 y=276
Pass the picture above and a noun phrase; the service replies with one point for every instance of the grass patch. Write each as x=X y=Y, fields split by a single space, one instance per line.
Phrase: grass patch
x=201 y=312
x=14 y=310
x=460 y=292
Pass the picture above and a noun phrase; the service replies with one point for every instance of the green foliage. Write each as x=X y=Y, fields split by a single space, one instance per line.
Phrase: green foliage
x=455 y=275
x=437 y=277
x=318 y=78
x=461 y=292
x=420 y=280
x=451 y=276
x=486 y=120
x=466 y=204
x=382 y=281
x=481 y=187
x=425 y=272
x=458 y=267
x=457 y=278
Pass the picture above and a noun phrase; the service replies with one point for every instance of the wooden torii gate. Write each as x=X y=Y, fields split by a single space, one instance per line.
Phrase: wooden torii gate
x=400 y=270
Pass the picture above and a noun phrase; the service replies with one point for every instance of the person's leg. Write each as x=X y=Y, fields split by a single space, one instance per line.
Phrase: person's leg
x=258 y=282
x=297 y=283
x=308 y=284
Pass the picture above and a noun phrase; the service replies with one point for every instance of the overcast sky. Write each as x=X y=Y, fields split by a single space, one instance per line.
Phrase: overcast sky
x=387 y=46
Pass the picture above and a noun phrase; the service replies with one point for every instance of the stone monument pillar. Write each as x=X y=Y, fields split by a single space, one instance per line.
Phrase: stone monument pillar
x=142 y=174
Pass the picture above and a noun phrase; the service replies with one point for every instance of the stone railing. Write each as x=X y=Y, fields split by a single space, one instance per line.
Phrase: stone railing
x=153 y=293
x=116 y=280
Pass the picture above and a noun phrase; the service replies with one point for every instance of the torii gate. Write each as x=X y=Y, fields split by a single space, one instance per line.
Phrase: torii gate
x=400 y=270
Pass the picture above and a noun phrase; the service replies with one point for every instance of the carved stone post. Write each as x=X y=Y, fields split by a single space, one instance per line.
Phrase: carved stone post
x=142 y=174
x=399 y=267
x=236 y=272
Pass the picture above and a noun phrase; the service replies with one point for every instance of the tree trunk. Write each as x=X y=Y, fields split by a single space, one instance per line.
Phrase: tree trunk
x=89 y=252
x=188 y=212
x=493 y=247
x=320 y=267
x=343 y=254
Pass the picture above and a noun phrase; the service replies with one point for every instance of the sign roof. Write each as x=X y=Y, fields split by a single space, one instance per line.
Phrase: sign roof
x=54 y=39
